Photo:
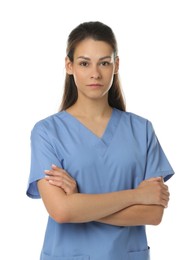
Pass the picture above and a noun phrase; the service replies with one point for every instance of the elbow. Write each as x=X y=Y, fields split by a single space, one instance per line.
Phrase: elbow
x=60 y=216
x=156 y=218
x=59 y=219
x=156 y=221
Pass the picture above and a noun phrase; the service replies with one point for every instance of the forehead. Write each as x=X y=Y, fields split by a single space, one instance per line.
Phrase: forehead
x=93 y=49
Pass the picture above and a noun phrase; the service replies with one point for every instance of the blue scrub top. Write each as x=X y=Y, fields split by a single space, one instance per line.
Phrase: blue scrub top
x=128 y=153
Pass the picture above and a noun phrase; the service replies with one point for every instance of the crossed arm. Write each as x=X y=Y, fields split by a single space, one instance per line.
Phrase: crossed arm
x=141 y=206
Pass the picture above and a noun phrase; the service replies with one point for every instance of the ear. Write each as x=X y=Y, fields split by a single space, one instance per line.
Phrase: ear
x=68 y=66
x=116 y=65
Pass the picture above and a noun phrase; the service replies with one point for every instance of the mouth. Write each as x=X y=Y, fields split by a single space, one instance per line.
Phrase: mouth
x=94 y=85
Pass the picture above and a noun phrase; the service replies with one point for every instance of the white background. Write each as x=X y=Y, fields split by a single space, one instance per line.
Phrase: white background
x=157 y=48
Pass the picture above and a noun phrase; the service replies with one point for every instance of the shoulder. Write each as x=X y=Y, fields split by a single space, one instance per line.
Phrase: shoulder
x=134 y=118
x=48 y=123
x=138 y=124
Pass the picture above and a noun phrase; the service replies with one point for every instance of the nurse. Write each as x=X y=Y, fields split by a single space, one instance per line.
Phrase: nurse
x=99 y=170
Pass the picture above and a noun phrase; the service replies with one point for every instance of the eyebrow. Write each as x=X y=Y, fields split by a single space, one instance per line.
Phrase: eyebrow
x=86 y=58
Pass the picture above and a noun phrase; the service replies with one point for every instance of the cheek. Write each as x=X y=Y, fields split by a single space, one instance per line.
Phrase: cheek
x=109 y=77
x=79 y=76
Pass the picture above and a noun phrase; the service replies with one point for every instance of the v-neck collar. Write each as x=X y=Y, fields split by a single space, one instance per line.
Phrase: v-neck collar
x=88 y=129
x=111 y=126
x=101 y=143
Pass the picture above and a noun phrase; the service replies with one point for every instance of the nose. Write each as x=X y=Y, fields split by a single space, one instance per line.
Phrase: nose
x=95 y=73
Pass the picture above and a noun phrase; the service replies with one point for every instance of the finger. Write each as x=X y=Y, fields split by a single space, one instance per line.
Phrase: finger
x=56 y=180
x=55 y=167
x=55 y=177
x=164 y=187
x=59 y=184
x=52 y=173
x=166 y=195
x=165 y=200
x=68 y=187
x=48 y=172
x=59 y=172
x=61 y=179
x=159 y=178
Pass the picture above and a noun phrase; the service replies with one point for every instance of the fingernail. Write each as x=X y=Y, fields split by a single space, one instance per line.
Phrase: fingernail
x=46 y=171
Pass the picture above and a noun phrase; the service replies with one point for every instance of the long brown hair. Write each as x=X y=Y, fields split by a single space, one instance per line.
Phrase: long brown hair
x=100 y=32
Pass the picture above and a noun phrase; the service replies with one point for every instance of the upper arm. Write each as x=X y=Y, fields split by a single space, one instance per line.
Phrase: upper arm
x=54 y=199
x=157 y=163
x=43 y=155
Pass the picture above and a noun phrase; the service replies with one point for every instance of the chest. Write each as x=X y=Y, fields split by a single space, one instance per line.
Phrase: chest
x=96 y=127
x=99 y=165
x=114 y=161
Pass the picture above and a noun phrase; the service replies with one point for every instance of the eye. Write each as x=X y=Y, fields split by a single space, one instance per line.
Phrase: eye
x=105 y=63
x=84 y=64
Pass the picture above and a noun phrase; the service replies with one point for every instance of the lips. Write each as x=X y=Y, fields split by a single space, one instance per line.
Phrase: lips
x=95 y=86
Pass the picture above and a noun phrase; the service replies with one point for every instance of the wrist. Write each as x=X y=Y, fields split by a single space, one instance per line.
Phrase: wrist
x=134 y=194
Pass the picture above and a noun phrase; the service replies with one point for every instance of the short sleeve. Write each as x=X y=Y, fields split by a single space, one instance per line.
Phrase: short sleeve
x=42 y=157
x=157 y=163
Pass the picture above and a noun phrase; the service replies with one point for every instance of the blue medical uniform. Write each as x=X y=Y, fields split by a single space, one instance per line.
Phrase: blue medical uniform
x=128 y=153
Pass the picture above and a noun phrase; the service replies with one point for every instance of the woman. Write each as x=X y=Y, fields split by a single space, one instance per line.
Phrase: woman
x=99 y=170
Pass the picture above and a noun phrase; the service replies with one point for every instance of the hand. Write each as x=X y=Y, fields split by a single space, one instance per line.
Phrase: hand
x=60 y=178
x=154 y=191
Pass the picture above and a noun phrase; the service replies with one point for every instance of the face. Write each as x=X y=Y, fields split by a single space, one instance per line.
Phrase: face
x=93 y=68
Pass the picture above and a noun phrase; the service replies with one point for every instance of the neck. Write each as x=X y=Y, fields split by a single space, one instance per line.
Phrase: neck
x=91 y=108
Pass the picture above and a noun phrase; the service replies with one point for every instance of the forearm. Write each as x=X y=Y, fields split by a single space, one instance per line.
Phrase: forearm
x=89 y=207
x=77 y=207
x=65 y=206
x=135 y=215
